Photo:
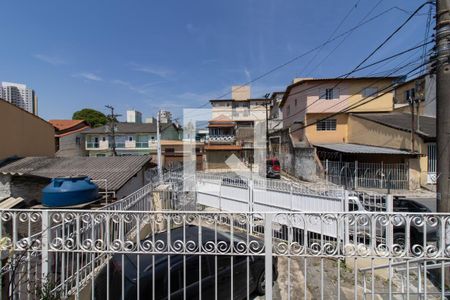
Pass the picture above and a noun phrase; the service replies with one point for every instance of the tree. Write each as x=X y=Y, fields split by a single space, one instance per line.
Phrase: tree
x=93 y=117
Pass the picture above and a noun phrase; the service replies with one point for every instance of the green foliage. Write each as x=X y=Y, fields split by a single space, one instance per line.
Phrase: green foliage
x=46 y=291
x=93 y=117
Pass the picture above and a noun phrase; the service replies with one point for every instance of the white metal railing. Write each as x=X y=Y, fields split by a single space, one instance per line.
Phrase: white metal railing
x=96 y=255
x=367 y=175
x=221 y=139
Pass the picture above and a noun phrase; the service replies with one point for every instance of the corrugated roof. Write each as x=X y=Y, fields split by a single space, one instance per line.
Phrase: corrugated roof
x=362 y=149
x=130 y=128
x=402 y=121
x=116 y=170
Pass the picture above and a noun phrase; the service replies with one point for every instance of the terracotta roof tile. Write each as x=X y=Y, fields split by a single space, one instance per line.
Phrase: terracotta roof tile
x=65 y=124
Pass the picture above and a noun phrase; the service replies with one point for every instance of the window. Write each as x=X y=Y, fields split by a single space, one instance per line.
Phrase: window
x=330 y=94
x=295 y=102
x=410 y=94
x=78 y=140
x=288 y=110
x=370 y=92
x=326 y=125
x=170 y=150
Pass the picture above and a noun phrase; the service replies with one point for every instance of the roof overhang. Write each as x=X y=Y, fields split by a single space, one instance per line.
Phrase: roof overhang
x=222 y=147
x=364 y=149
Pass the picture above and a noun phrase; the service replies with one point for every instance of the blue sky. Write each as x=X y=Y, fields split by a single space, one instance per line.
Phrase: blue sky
x=175 y=54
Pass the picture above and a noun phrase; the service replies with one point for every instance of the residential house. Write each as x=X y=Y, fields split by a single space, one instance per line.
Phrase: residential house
x=276 y=113
x=23 y=133
x=118 y=176
x=314 y=120
x=69 y=139
x=130 y=138
x=232 y=127
x=421 y=91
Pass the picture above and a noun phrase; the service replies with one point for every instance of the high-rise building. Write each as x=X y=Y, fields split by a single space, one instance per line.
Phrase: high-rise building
x=19 y=95
x=134 y=116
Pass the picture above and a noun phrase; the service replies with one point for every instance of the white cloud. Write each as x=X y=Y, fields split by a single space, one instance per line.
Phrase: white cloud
x=140 y=89
x=88 y=76
x=247 y=74
x=191 y=28
x=53 y=60
x=158 y=71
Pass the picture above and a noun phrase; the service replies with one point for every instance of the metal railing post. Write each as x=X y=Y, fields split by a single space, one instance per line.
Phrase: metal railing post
x=268 y=254
x=346 y=225
x=389 y=210
x=292 y=196
x=45 y=241
x=356 y=174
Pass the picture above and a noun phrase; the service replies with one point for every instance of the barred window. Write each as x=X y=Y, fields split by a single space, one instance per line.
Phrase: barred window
x=326 y=125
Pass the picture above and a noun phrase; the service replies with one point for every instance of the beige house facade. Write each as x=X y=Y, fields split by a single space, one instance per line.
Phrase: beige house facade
x=24 y=134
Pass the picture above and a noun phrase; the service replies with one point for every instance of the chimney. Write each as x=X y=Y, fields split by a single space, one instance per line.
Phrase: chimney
x=240 y=92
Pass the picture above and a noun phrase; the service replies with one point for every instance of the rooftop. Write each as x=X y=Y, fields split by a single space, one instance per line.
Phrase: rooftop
x=130 y=128
x=362 y=149
x=116 y=170
x=65 y=124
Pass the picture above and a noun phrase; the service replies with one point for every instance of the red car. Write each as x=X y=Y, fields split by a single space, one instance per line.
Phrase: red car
x=273 y=168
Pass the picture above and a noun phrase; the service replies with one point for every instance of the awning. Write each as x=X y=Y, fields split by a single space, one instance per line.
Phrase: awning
x=363 y=149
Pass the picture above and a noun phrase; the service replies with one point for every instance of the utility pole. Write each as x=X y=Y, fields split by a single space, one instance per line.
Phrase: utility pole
x=158 y=141
x=443 y=103
x=411 y=100
x=112 y=124
x=267 y=124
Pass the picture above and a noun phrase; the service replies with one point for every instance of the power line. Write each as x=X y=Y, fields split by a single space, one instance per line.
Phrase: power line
x=343 y=76
x=348 y=73
x=345 y=38
x=387 y=90
x=331 y=36
x=360 y=91
x=306 y=52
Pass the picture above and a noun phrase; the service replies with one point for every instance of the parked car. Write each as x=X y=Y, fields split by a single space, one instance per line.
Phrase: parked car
x=273 y=168
x=400 y=205
x=204 y=270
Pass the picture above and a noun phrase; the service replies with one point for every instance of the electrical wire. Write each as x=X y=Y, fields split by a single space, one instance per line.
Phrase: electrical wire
x=369 y=99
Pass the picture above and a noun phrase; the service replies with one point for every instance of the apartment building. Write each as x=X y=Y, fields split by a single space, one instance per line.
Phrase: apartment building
x=19 y=95
x=232 y=127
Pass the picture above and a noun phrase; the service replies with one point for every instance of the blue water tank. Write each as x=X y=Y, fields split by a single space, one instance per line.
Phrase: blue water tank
x=69 y=191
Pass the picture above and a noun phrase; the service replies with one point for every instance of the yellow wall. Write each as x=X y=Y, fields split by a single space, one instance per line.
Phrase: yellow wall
x=366 y=132
x=383 y=103
x=24 y=134
x=326 y=137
